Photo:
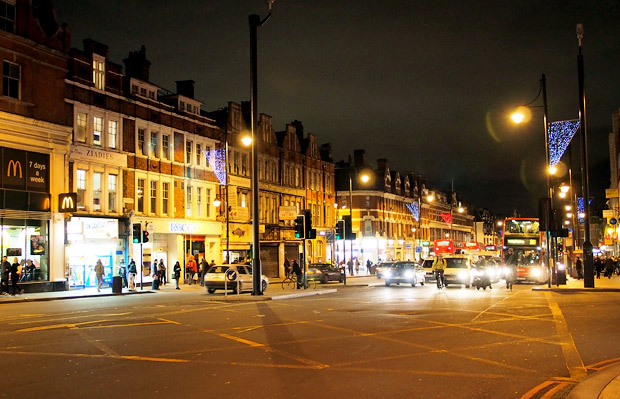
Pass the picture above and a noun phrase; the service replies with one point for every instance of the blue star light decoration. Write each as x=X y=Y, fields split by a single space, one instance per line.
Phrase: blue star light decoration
x=217 y=161
x=560 y=134
x=415 y=210
x=580 y=208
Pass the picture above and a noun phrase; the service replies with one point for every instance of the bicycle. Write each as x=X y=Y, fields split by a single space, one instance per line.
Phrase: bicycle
x=440 y=280
x=291 y=283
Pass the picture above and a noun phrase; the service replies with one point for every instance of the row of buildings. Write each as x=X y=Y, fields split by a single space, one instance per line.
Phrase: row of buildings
x=75 y=121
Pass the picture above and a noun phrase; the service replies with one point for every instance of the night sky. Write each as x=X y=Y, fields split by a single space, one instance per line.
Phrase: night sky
x=426 y=84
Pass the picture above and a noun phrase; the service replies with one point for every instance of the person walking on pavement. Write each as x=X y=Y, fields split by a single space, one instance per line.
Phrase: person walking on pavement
x=297 y=271
x=15 y=277
x=132 y=275
x=609 y=267
x=99 y=274
x=177 y=273
x=598 y=266
x=122 y=271
x=579 y=267
x=350 y=267
x=162 y=272
x=191 y=267
x=4 y=276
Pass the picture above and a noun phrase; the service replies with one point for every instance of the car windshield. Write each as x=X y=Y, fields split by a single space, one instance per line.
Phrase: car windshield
x=218 y=269
x=428 y=263
x=456 y=263
x=521 y=257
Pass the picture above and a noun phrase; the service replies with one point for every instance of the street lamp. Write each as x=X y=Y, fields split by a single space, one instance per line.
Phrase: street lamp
x=364 y=178
x=255 y=21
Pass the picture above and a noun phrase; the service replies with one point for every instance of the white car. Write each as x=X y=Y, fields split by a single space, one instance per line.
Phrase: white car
x=458 y=270
x=215 y=279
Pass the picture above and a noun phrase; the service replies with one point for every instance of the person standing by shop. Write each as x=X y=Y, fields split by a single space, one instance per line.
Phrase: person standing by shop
x=99 y=274
x=122 y=271
x=5 y=271
x=177 y=273
x=15 y=277
x=132 y=275
x=162 y=272
x=204 y=266
x=191 y=268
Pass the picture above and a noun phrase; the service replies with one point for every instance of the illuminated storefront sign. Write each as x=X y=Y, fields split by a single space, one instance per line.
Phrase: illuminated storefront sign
x=182 y=228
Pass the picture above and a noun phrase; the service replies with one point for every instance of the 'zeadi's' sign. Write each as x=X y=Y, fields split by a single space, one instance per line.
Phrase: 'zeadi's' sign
x=24 y=170
x=97 y=155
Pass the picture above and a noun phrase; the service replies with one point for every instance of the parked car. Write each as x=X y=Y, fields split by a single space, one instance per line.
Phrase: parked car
x=324 y=272
x=385 y=265
x=427 y=265
x=404 y=272
x=458 y=270
x=215 y=279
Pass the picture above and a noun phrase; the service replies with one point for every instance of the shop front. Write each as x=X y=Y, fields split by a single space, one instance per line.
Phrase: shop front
x=90 y=240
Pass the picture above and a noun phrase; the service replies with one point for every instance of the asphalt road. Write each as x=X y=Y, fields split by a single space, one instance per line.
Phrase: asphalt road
x=364 y=342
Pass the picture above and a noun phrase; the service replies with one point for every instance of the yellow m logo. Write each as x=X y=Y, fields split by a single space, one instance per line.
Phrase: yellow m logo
x=15 y=165
x=67 y=203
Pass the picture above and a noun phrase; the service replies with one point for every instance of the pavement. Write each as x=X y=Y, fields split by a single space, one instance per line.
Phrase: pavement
x=603 y=384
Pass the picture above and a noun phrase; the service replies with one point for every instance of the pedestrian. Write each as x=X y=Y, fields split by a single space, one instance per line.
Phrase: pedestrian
x=609 y=267
x=297 y=272
x=4 y=276
x=579 y=267
x=122 y=271
x=617 y=266
x=191 y=268
x=357 y=266
x=162 y=272
x=15 y=277
x=212 y=263
x=350 y=266
x=177 y=273
x=155 y=282
x=204 y=266
x=99 y=273
x=369 y=267
x=598 y=266
x=132 y=274
x=287 y=268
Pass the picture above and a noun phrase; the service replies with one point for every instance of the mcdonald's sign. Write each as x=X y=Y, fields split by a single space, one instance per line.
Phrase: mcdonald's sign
x=16 y=165
x=67 y=202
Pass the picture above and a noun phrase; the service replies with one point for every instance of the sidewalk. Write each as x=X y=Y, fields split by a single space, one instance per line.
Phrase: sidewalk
x=603 y=284
x=604 y=384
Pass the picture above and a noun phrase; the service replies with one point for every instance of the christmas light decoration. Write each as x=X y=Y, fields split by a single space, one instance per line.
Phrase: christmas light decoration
x=560 y=134
x=415 y=210
x=447 y=217
x=217 y=161
x=580 y=208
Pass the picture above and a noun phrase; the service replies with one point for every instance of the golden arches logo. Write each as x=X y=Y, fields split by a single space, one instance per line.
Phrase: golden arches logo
x=15 y=165
x=67 y=203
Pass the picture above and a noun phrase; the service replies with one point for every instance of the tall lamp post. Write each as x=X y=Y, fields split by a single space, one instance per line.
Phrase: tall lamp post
x=255 y=21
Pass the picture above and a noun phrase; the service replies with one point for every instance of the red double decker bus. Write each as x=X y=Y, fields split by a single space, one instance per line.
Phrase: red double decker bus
x=522 y=248
x=444 y=246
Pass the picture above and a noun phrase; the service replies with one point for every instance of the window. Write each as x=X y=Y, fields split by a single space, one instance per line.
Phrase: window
x=198 y=201
x=244 y=164
x=7 y=16
x=153 y=196
x=198 y=154
x=151 y=95
x=97 y=191
x=134 y=89
x=208 y=199
x=112 y=193
x=112 y=133
x=236 y=163
x=140 y=142
x=99 y=72
x=182 y=106
x=243 y=200
x=80 y=128
x=165 y=146
x=140 y=194
x=188 y=203
x=188 y=151
x=164 y=197
x=153 y=149
x=80 y=186
x=11 y=75
x=208 y=155
x=143 y=91
x=97 y=130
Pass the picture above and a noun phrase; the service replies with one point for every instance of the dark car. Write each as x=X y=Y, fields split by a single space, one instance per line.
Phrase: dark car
x=324 y=272
x=404 y=272
x=381 y=267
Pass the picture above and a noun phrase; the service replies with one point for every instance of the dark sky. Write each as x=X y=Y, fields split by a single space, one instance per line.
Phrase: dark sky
x=426 y=84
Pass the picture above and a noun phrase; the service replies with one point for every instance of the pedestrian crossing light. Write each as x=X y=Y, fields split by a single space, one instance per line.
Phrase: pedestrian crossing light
x=145 y=236
x=299 y=226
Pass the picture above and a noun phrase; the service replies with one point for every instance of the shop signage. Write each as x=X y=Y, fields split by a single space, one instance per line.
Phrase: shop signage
x=24 y=170
x=67 y=202
x=100 y=156
x=608 y=213
x=426 y=243
x=182 y=228
x=611 y=193
x=288 y=212
x=100 y=228
x=239 y=213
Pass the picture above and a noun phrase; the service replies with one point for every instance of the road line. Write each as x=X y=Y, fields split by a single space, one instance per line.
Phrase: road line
x=549 y=394
x=242 y=340
x=529 y=394
x=55 y=326
x=574 y=364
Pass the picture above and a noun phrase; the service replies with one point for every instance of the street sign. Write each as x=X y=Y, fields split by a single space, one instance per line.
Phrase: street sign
x=231 y=275
x=611 y=193
x=418 y=249
x=150 y=228
x=330 y=236
x=608 y=213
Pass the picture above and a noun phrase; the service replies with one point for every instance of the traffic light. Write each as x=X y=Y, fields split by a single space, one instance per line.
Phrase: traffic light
x=340 y=230
x=145 y=236
x=309 y=232
x=137 y=233
x=299 y=226
x=348 y=228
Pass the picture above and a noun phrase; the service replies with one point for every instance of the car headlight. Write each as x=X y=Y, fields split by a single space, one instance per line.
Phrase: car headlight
x=409 y=274
x=536 y=272
x=490 y=272
x=463 y=274
x=387 y=273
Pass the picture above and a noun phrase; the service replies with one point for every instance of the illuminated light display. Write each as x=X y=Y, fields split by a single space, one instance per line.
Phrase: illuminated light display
x=560 y=134
x=415 y=210
x=217 y=161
